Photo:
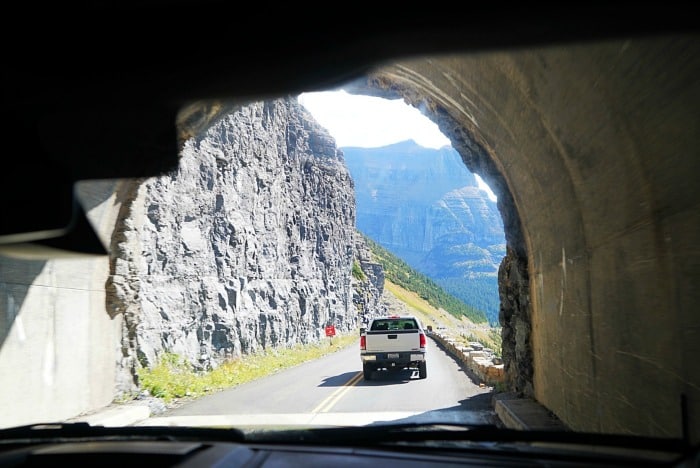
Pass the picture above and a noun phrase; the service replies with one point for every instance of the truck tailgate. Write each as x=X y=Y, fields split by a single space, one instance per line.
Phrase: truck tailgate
x=393 y=341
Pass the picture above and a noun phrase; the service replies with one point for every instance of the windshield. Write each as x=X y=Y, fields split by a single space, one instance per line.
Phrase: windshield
x=394 y=324
x=273 y=278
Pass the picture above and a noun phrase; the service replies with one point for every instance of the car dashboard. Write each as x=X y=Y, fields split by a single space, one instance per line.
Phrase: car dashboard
x=393 y=445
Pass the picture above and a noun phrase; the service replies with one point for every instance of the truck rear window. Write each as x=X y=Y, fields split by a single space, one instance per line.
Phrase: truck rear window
x=394 y=324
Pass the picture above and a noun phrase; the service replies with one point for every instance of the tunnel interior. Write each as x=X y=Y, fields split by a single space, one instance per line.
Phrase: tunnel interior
x=591 y=148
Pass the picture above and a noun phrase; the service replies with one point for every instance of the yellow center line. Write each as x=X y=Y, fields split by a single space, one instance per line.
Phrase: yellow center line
x=333 y=398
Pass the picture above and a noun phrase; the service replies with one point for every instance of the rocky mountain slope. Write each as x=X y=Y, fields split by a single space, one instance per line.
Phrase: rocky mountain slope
x=426 y=207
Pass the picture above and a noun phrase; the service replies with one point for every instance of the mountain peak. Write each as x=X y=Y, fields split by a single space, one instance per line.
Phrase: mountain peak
x=405 y=146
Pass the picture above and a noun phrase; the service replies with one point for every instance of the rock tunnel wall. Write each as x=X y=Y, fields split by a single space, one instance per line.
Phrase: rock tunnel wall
x=593 y=152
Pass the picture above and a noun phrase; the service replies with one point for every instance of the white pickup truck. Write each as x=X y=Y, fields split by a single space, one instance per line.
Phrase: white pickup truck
x=393 y=342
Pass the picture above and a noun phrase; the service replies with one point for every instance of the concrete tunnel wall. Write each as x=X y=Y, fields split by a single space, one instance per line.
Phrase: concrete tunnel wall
x=595 y=149
x=59 y=347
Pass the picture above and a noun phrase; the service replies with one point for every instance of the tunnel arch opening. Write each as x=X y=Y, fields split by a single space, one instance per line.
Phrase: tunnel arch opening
x=513 y=279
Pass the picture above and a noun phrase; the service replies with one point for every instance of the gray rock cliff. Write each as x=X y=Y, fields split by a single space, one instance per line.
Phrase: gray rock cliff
x=248 y=245
x=368 y=284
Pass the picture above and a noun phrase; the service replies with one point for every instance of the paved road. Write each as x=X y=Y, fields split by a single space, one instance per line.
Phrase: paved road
x=331 y=391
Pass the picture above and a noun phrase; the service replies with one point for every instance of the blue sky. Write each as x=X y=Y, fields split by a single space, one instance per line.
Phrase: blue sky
x=371 y=122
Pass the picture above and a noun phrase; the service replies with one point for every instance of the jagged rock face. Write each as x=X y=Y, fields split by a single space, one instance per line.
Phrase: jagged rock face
x=516 y=323
x=466 y=234
x=369 y=288
x=248 y=245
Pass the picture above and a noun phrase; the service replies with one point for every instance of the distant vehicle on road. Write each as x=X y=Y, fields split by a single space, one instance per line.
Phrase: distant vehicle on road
x=393 y=343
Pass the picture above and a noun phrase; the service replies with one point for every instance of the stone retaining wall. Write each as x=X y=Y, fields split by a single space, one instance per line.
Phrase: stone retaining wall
x=481 y=363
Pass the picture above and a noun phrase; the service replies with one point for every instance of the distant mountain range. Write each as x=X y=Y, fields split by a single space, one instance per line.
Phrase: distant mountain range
x=424 y=206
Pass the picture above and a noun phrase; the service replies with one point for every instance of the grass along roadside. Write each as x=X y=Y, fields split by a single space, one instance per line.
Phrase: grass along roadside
x=174 y=378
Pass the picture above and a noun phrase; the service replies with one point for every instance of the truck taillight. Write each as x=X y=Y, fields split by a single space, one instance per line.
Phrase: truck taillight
x=363 y=342
x=422 y=340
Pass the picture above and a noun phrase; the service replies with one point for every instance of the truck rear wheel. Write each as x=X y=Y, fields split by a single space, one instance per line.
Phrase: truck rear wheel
x=422 y=370
x=367 y=371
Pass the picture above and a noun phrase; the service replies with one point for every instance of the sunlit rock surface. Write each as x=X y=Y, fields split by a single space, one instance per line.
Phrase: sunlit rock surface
x=248 y=245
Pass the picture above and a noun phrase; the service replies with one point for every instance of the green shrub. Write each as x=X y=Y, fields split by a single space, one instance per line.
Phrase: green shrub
x=357 y=272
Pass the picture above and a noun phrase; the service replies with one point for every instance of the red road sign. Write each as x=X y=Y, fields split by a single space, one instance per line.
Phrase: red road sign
x=330 y=330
